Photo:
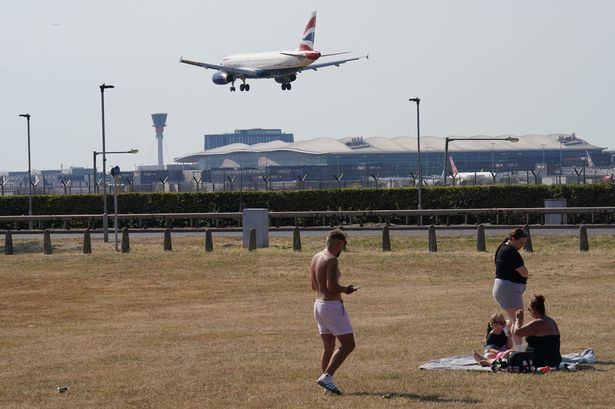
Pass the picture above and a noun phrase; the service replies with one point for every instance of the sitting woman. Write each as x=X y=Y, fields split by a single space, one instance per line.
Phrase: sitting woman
x=541 y=334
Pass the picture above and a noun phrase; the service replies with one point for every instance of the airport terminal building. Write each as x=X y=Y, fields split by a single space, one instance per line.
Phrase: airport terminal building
x=247 y=137
x=359 y=158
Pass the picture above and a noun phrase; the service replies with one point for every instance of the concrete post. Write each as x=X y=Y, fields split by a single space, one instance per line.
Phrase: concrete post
x=583 y=241
x=125 y=247
x=480 y=238
x=296 y=239
x=386 y=239
x=433 y=244
x=209 y=243
x=87 y=242
x=167 y=240
x=46 y=242
x=252 y=241
x=528 y=243
x=8 y=243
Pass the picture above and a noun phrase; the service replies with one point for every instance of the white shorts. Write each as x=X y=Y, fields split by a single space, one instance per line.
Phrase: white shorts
x=331 y=317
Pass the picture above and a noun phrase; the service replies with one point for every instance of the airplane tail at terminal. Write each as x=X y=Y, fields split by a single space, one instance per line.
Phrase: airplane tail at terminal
x=454 y=170
x=590 y=162
x=307 y=42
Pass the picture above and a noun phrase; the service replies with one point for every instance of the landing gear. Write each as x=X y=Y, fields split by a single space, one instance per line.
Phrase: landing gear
x=242 y=87
x=286 y=86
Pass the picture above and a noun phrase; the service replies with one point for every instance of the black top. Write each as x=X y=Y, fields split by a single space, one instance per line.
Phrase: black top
x=507 y=261
x=497 y=340
x=544 y=350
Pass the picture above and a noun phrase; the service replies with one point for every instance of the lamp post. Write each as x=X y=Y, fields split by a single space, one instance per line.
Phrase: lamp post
x=492 y=157
x=94 y=154
x=418 y=151
x=544 y=163
x=448 y=139
x=103 y=87
x=560 y=161
x=27 y=116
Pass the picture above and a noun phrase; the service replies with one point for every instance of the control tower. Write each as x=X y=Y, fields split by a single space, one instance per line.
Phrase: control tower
x=160 y=121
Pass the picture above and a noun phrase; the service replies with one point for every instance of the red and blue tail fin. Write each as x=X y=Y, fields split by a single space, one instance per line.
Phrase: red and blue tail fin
x=307 y=42
x=454 y=170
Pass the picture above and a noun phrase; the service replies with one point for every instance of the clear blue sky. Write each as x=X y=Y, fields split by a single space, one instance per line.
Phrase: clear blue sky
x=479 y=67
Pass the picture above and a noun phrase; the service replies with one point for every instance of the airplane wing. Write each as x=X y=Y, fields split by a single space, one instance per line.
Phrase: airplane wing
x=231 y=70
x=330 y=63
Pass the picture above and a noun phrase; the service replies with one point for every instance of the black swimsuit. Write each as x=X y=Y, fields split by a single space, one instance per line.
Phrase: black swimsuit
x=544 y=350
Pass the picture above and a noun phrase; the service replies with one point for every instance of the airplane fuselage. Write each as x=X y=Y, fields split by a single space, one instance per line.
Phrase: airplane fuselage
x=272 y=64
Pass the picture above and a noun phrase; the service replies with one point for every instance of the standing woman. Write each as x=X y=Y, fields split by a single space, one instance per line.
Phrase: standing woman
x=510 y=278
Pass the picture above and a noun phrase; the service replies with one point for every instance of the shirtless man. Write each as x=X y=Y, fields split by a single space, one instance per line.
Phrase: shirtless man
x=329 y=311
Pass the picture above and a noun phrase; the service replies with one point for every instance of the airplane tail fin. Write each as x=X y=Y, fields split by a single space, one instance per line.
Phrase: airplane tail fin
x=590 y=162
x=454 y=170
x=307 y=42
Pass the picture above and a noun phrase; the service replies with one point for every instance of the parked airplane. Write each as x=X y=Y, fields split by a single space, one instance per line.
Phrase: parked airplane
x=282 y=66
x=468 y=177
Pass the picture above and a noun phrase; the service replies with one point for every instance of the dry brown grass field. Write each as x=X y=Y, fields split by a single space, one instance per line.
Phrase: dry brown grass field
x=233 y=329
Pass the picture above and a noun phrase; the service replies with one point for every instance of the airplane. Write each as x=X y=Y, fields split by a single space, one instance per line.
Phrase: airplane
x=468 y=177
x=282 y=66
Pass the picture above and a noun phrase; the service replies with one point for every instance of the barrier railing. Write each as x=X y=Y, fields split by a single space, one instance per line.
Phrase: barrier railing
x=361 y=218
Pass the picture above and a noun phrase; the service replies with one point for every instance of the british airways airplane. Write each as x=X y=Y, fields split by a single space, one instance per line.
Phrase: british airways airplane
x=282 y=66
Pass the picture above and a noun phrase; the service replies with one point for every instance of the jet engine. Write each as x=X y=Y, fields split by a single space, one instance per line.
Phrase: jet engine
x=222 y=78
x=286 y=79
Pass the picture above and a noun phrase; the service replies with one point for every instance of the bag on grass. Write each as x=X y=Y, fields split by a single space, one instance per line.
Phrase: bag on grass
x=518 y=362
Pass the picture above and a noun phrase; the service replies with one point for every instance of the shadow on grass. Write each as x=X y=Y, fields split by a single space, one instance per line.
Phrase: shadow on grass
x=28 y=247
x=413 y=396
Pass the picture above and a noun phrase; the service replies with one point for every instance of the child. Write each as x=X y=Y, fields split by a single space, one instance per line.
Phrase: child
x=497 y=343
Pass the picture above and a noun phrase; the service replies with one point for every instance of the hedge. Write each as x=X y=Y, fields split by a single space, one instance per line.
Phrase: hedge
x=442 y=197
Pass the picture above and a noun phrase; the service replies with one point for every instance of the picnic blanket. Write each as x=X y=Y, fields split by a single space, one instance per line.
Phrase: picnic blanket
x=467 y=362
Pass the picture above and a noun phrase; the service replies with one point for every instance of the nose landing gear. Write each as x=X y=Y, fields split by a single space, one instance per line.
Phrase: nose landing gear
x=286 y=86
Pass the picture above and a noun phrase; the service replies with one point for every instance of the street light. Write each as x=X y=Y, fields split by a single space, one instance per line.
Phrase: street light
x=560 y=161
x=418 y=151
x=492 y=157
x=477 y=138
x=27 y=116
x=543 y=155
x=94 y=154
x=103 y=87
